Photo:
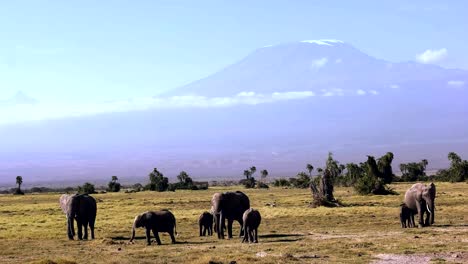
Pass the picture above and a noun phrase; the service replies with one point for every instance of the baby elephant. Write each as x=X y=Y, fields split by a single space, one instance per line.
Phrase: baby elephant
x=205 y=222
x=157 y=221
x=252 y=219
x=406 y=216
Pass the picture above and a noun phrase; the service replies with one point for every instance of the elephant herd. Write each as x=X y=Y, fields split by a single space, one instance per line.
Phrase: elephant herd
x=230 y=206
x=420 y=200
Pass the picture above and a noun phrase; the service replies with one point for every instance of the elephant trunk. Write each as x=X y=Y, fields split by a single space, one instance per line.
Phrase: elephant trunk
x=431 y=209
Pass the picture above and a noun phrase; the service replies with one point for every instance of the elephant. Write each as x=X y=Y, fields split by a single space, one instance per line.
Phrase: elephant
x=252 y=220
x=83 y=209
x=205 y=222
x=420 y=197
x=406 y=216
x=229 y=206
x=156 y=221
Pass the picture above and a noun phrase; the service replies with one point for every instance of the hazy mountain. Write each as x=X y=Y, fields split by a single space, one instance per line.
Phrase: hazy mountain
x=19 y=98
x=321 y=66
x=355 y=105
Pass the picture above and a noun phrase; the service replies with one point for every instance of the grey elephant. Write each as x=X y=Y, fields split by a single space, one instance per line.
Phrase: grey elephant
x=252 y=220
x=156 y=221
x=229 y=206
x=406 y=216
x=421 y=199
x=83 y=209
x=205 y=223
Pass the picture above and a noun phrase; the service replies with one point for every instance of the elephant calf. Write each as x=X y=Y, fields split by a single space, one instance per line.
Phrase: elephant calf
x=251 y=219
x=158 y=221
x=406 y=216
x=205 y=222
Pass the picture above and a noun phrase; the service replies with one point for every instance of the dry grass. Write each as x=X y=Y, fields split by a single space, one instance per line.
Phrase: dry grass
x=33 y=229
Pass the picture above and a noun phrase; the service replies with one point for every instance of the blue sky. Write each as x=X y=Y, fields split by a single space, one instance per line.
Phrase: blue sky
x=92 y=51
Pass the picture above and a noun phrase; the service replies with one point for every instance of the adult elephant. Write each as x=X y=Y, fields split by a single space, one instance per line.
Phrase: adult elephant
x=420 y=198
x=230 y=206
x=83 y=209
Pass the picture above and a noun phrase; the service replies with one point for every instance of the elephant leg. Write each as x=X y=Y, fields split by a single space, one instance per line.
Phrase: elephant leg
x=427 y=221
x=420 y=214
x=256 y=235
x=221 y=226
x=91 y=228
x=80 y=230
x=411 y=220
x=156 y=235
x=201 y=227
x=71 y=228
x=230 y=221
x=148 y=236
x=251 y=234
x=241 y=232
x=246 y=238
x=171 y=233
x=85 y=227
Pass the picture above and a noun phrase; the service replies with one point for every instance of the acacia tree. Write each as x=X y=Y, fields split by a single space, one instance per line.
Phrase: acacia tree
x=157 y=181
x=113 y=185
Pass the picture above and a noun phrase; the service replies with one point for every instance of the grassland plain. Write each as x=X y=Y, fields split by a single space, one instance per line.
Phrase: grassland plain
x=33 y=229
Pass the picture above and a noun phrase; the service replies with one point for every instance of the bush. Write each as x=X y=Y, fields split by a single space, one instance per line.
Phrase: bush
x=262 y=185
x=248 y=183
x=18 y=192
x=87 y=188
x=282 y=182
x=113 y=187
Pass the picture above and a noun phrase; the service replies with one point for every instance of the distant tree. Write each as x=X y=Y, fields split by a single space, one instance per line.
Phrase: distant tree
x=281 y=182
x=249 y=181
x=322 y=188
x=302 y=180
x=113 y=185
x=157 y=181
x=353 y=173
x=414 y=171
x=320 y=170
x=184 y=178
x=87 y=188
x=264 y=174
x=458 y=170
x=310 y=168
x=373 y=179
x=19 y=181
x=253 y=169
x=385 y=167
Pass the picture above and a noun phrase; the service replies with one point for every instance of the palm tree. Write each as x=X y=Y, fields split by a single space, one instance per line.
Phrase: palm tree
x=19 y=181
x=310 y=168
x=253 y=169
x=424 y=162
x=264 y=174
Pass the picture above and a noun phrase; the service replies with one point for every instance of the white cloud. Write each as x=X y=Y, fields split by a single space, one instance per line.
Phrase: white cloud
x=456 y=83
x=374 y=92
x=432 y=56
x=333 y=92
x=361 y=92
x=394 y=86
x=38 y=112
x=338 y=61
x=319 y=63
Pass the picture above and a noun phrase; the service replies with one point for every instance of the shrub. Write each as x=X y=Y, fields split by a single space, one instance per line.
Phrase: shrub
x=282 y=182
x=87 y=188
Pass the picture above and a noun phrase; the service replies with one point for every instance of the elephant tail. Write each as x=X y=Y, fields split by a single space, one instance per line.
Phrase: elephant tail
x=175 y=229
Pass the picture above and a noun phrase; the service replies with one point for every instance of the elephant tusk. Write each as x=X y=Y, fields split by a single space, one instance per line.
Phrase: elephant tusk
x=428 y=209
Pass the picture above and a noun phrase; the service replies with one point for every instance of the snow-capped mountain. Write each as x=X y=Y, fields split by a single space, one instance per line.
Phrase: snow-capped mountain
x=326 y=67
